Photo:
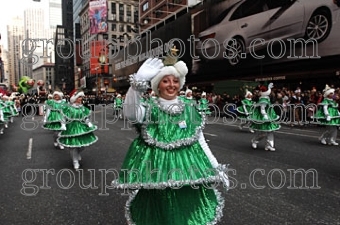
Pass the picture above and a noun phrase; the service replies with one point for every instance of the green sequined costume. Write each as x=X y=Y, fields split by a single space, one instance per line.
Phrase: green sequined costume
x=77 y=134
x=53 y=114
x=13 y=109
x=259 y=122
x=203 y=106
x=333 y=112
x=245 y=109
x=172 y=169
x=6 y=110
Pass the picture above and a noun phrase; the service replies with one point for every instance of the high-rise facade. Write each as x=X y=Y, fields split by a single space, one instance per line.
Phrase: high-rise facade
x=54 y=8
x=122 y=19
x=15 y=35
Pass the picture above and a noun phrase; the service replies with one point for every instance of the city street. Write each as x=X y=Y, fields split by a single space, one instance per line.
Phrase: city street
x=40 y=186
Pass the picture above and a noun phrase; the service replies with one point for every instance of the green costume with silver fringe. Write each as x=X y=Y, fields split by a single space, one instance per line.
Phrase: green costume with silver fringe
x=77 y=134
x=203 y=106
x=245 y=109
x=333 y=112
x=54 y=116
x=259 y=122
x=171 y=170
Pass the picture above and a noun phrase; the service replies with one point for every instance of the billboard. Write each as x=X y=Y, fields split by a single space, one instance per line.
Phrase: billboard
x=265 y=40
x=98 y=16
x=99 y=61
x=234 y=37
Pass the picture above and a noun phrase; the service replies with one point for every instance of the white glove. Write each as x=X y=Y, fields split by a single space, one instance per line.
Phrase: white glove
x=149 y=69
x=88 y=123
x=63 y=126
x=265 y=117
x=328 y=118
x=270 y=86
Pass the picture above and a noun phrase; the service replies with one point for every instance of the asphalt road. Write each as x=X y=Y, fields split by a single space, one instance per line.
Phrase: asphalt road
x=39 y=185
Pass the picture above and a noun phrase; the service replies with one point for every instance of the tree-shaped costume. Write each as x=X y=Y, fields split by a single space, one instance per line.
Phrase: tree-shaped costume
x=170 y=161
x=244 y=111
x=328 y=115
x=203 y=104
x=79 y=129
x=53 y=116
x=2 y=118
x=264 y=119
x=118 y=106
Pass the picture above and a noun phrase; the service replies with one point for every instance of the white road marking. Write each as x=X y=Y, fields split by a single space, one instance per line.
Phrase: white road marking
x=29 y=150
x=214 y=135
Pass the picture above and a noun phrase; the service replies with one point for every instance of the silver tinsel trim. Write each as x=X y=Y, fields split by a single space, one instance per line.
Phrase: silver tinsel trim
x=138 y=85
x=220 y=177
x=173 y=109
x=94 y=128
x=170 y=145
x=218 y=210
x=170 y=184
x=77 y=146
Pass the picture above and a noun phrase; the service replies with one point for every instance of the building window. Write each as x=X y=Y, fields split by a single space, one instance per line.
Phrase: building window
x=113 y=8
x=114 y=27
x=121 y=28
x=145 y=6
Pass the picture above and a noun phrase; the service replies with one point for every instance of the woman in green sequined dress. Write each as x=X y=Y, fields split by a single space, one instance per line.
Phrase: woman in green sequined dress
x=264 y=120
x=53 y=116
x=244 y=111
x=328 y=115
x=203 y=104
x=79 y=129
x=169 y=167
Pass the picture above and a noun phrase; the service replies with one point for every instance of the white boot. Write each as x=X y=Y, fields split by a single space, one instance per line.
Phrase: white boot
x=2 y=131
x=269 y=146
x=254 y=144
x=74 y=155
x=270 y=142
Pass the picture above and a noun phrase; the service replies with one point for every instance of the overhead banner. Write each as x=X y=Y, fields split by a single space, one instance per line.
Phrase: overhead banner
x=98 y=16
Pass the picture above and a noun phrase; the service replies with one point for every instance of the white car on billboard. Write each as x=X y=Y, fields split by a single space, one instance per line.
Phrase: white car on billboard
x=233 y=31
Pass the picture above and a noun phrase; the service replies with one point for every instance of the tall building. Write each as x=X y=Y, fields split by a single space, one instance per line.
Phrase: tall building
x=64 y=48
x=2 y=73
x=34 y=23
x=122 y=17
x=15 y=35
x=54 y=8
x=77 y=7
x=156 y=13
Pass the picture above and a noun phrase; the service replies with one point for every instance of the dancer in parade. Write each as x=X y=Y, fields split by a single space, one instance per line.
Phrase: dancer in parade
x=203 y=104
x=2 y=118
x=79 y=129
x=53 y=116
x=189 y=99
x=328 y=115
x=170 y=139
x=245 y=110
x=13 y=108
x=118 y=107
x=7 y=111
x=263 y=119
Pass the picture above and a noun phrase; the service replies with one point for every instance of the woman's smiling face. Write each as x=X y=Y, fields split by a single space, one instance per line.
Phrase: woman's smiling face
x=168 y=87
